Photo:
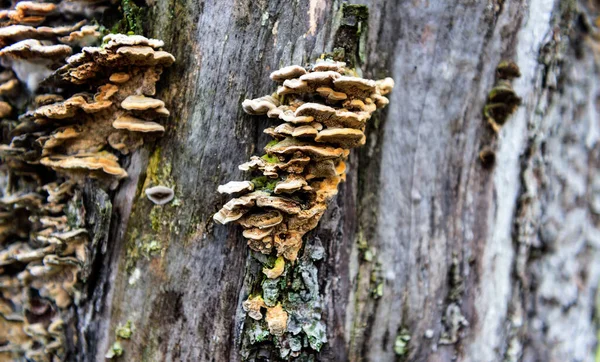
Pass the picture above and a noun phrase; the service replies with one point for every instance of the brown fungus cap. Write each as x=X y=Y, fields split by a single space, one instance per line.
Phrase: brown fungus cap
x=355 y=86
x=257 y=233
x=245 y=201
x=144 y=55
x=294 y=86
x=315 y=151
x=277 y=320
x=69 y=107
x=286 y=205
x=262 y=220
x=332 y=117
x=260 y=105
x=35 y=8
x=290 y=185
x=27 y=13
x=14 y=33
x=33 y=49
x=320 y=78
x=5 y=109
x=236 y=187
x=9 y=88
x=290 y=116
x=292 y=71
x=342 y=137
x=253 y=306
x=225 y=216
x=133 y=124
x=118 y=40
x=119 y=77
x=308 y=131
x=385 y=85
x=326 y=64
x=331 y=95
x=103 y=161
x=276 y=270
x=141 y=103
x=86 y=36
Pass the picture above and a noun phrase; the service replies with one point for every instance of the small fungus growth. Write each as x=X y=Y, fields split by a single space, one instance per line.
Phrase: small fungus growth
x=160 y=195
x=502 y=100
x=64 y=122
x=322 y=112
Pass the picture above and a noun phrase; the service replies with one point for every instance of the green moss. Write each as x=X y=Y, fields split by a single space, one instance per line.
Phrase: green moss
x=125 y=331
x=264 y=183
x=153 y=166
x=131 y=21
x=361 y=12
x=338 y=54
x=401 y=342
x=133 y=16
x=145 y=245
x=257 y=332
x=272 y=143
x=376 y=281
x=150 y=246
x=116 y=350
x=351 y=25
x=378 y=291
x=133 y=252
x=456 y=281
x=155 y=219
x=270 y=158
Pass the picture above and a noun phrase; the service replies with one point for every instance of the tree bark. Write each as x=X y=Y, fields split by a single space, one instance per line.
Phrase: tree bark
x=430 y=255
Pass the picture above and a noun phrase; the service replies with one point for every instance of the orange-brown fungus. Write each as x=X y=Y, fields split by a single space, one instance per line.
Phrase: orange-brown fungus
x=324 y=111
x=59 y=143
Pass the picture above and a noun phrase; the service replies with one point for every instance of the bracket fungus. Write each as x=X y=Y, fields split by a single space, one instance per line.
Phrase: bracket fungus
x=77 y=134
x=323 y=110
x=62 y=141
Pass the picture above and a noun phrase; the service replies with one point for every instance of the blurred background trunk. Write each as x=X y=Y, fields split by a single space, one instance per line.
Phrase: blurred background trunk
x=430 y=253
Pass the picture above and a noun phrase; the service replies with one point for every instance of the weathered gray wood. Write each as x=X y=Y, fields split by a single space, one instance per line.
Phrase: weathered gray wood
x=513 y=249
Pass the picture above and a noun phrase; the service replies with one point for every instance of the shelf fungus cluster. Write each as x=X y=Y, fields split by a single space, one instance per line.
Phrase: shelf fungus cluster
x=79 y=136
x=43 y=261
x=322 y=112
x=78 y=115
x=36 y=37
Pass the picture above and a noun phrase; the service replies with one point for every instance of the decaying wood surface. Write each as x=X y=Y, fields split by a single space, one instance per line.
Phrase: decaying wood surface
x=472 y=263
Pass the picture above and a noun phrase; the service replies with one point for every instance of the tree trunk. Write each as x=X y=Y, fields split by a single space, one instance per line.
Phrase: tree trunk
x=430 y=253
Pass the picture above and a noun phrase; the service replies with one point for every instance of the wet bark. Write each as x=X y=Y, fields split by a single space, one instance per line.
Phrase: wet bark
x=430 y=254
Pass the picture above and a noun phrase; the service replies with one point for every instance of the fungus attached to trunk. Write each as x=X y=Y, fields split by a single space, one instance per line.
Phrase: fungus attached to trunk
x=502 y=101
x=323 y=110
x=53 y=149
x=160 y=195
